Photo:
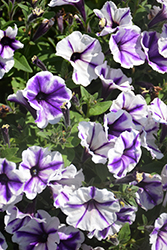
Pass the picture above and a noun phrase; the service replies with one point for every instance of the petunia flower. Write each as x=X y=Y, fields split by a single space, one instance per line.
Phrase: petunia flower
x=8 y=43
x=162 y=48
x=93 y=138
x=68 y=180
x=5 y=65
x=126 y=48
x=117 y=122
x=84 y=53
x=39 y=235
x=149 y=43
x=150 y=192
x=70 y=238
x=79 y=4
x=135 y=105
x=3 y=244
x=111 y=18
x=112 y=79
x=37 y=165
x=125 y=154
x=46 y=93
x=86 y=247
x=158 y=237
x=126 y=214
x=11 y=182
x=90 y=208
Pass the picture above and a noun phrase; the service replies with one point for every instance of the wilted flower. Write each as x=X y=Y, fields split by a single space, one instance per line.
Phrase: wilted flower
x=112 y=18
x=37 y=165
x=37 y=12
x=84 y=53
x=158 y=237
x=43 y=28
x=38 y=62
x=39 y=235
x=126 y=48
x=5 y=134
x=160 y=16
x=8 y=43
x=5 y=65
x=150 y=192
x=46 y=93
x=90 y=208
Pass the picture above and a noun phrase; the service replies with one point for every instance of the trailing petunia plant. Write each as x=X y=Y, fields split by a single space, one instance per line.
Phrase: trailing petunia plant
x=83 y=118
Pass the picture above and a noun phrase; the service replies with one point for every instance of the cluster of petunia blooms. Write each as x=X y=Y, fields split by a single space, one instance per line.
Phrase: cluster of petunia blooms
x=129 y=125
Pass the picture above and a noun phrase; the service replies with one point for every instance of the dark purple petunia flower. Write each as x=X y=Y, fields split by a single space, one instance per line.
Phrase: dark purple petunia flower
x=149 y=43
x=11 y=182
x=38 y=235
x=46 y=94
x=8 y=43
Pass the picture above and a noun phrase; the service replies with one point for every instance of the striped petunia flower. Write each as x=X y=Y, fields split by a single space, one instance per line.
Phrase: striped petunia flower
x=3 y=244
x=11 y=182
x=5 y=65
x=46 y=94
x=158 y=237
x=37 y=165
x=8 y=43
x=125 y=47
x=38 y=235
x=90 y=208
x=111 y=18
x=84 y=53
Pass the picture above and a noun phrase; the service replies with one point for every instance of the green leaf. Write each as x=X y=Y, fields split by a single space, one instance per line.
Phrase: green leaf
x=124 y=234
x=99 y=108
x=21 y=63
x=10 y=154
x=85 y=94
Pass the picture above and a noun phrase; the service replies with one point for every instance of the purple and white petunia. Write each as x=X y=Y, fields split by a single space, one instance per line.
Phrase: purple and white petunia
x=15 y=219
x=86 y=247
x=3 y=244
x=150 y=192
x=11 y=182
x=149 y=43
x=147 y=136
x=5 y=65
x=164 y=183
x=135 y=105
x=162 y=41
x=125 y=154
x=158 y=237
x=161 y=15
x=126 y=214
x=8 y=43
x=111 y=18
x=37 y=165
x=38 y=235
x=68 y=180
x=70 y=238
x=90 y=208
x=93 y=138
x=159 y=110
x=46 y=94
x=112 y=79
x=117 y=122
x=84 y=53
x=126 y=48
x=79 y=4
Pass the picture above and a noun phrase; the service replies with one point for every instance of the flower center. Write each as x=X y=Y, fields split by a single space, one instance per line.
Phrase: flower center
x=3 y=179
x=75 y=56
x=41 y=96
x=34 y=171
x=43 y=237
x=6 y=41
x=115 y=24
